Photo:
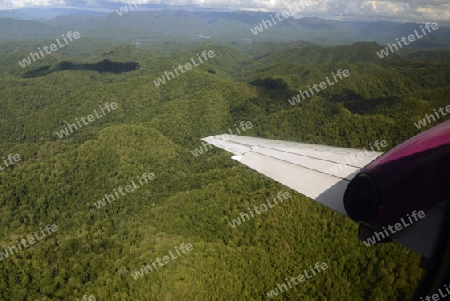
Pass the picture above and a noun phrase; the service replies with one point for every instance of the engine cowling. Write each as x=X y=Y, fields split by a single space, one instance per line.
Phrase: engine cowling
x=415 y=175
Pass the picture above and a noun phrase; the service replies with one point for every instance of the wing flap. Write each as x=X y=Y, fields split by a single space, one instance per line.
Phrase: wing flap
x=304 y=180
x=310 y=162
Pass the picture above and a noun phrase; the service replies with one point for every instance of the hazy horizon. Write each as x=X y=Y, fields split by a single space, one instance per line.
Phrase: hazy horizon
x=398 y=11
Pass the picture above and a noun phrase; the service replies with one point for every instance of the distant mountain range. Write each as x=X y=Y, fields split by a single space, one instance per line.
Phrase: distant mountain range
x=159 y=24
x=46 y=14
x=107 y=7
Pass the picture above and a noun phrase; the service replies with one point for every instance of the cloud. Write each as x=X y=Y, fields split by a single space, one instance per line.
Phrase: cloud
x=31 y=3
x=400 y=10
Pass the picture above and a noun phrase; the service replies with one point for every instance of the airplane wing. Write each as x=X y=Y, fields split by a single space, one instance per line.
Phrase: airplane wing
x=322 y=173
x=318 y=171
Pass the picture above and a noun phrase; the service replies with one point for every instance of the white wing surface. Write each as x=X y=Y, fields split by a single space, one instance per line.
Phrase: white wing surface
x=317 y=171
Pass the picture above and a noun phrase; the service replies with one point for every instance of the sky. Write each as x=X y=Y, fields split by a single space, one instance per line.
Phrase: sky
x=396 y=10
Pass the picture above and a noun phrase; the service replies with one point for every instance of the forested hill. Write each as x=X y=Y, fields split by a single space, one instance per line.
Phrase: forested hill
x=193 y=198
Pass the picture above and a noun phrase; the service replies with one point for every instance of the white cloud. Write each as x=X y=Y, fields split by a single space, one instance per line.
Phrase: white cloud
x=32 y=3
x=412 y=10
